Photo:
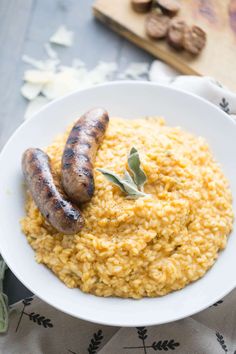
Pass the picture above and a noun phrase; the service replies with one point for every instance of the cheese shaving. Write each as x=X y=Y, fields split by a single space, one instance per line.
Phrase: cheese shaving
x=63 y=83
x=52 y=54
x=38 y=76
x=50 y=80
x=62 y=37
x=48 y=64
x=69 y=79
x=135 y=71
x=30 y=90
x=101 y=73
x=37 y=64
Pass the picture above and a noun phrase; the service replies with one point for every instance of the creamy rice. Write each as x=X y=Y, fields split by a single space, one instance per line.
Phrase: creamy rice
x=149 y=246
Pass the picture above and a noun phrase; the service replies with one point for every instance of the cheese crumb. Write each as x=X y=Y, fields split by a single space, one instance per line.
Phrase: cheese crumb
x=52 y=54
x=62 y=37
x=38 y=76
x=48 y=64
x=50 y=80
x=31 y=90
x=135 y=71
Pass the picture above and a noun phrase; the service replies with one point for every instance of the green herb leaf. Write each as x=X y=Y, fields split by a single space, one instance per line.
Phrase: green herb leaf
x=112 y=177
x=126 y=185
x=135 y=166
x=133 y=151
x=129 y=179
x=132 y=191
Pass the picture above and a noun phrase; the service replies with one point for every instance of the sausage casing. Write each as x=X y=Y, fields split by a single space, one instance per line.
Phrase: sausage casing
x=47 y=195
x=80 y=152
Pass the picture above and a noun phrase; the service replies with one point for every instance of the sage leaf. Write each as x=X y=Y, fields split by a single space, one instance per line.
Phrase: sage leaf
x=135 y=166
x=132 y=191
x=129 y=179
x=113 y=178
x=126 y=185
x=133 y=151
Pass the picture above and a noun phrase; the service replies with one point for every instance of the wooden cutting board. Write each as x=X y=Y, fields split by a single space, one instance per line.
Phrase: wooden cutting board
x=216 y=17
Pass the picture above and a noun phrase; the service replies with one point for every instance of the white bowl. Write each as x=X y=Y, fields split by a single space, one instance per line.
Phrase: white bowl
x=129 y=100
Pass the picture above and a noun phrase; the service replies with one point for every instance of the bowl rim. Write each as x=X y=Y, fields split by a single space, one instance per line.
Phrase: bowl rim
x=74 y=93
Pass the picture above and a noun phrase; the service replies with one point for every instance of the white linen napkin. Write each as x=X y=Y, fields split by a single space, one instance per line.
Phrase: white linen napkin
x=37 y=328
x=203 y=86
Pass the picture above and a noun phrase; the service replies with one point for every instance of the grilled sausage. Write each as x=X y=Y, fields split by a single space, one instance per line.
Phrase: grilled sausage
x=79 y=154
x=157 y=25
x=47 y=194
x=194 y=40
x=175 y=36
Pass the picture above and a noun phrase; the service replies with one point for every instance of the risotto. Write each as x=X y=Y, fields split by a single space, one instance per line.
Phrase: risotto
x=148 y=246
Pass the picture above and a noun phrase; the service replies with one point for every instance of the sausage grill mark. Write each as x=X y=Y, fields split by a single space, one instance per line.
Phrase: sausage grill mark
x=77 y=167
x=77 y=128
x=100 y=125
x=72 y=140
x=69 y=153
x=66 y=165
x=93 y=135
x=85 y=171
x=77 y=173
x=47 y=194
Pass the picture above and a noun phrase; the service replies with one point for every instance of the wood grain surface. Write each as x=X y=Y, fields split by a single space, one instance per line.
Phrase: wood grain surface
x=216 y=17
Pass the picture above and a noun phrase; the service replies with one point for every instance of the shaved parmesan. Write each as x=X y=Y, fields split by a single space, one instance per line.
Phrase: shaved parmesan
x=31 y=91
x=62 y=37
x=48 y=64
x=49 y=80
x=135 y=71
x=37 y=64
x=102 y=72
x=63 y=83
x=51 y=64
x=72 y=71
x=69 y=79
x=52 y=54
x=34 y=106
x=38 y=76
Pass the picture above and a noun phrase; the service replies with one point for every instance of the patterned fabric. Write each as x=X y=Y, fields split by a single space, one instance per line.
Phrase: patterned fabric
x=3 y=299
x=37 y=328
x=205 y=87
